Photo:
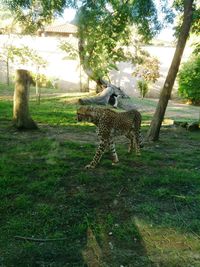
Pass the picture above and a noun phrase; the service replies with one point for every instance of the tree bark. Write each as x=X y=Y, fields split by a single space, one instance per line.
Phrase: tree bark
x=153 y=133
x=21 y=116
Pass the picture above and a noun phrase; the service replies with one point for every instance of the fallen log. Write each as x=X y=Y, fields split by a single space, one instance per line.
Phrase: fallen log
x=109 y=95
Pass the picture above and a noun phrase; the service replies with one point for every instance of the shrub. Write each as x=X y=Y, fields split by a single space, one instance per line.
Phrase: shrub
x=44 y=81
x=189 y=80
x=143 y=87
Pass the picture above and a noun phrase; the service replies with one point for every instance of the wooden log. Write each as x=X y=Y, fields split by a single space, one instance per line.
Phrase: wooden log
x=108 y=96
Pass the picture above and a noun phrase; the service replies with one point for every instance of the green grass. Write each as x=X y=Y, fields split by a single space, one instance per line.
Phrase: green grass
x=142 y=212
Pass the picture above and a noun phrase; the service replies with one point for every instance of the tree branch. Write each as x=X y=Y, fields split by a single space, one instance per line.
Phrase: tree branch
x=24 y=238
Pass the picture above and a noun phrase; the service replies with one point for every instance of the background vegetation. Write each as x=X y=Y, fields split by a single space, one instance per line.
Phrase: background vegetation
x=189 y=80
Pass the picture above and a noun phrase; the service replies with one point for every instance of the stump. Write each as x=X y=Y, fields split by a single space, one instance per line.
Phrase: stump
x=21 y=116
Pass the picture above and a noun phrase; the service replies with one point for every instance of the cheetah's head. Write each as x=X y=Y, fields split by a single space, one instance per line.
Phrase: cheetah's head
x=86 y=113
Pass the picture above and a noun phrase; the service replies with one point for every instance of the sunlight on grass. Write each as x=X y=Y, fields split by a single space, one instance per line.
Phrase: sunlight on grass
x=167 y=246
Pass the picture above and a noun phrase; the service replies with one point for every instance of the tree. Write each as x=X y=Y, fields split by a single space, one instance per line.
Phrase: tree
x=7 y=54
x=153 y=133
x=143 y=87
x=21 y=116
x=22 y=55
x=146 y=69
x=71 y=49
x=32 y=58
x=6 y=19
x=103 y=45
x=10 y=54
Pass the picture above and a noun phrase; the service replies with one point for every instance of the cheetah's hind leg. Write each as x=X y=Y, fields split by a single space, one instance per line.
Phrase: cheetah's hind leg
x=137 y=143
x=131 y=144
x=134 y=143
x=130 y=147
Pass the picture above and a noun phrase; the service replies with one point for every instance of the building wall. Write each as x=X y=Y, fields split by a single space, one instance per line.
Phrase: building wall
x=67 y=72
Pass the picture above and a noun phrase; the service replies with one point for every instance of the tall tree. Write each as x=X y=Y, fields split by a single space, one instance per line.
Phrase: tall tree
x=153 y=133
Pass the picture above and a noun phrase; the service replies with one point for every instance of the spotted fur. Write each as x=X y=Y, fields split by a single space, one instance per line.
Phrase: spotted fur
x=110 y=124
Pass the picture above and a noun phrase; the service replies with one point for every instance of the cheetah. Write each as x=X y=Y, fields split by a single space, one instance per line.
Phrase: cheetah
x=110 y=124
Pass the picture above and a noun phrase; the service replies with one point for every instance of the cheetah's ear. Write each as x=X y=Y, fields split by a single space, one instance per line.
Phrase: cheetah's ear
x=89 y=108
x=78 y=103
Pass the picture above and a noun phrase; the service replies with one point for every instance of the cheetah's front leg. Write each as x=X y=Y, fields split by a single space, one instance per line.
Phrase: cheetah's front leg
x=113 y=152
x=99 y=152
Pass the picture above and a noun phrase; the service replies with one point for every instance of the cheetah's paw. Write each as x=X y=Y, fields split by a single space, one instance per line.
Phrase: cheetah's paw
x=89 y=166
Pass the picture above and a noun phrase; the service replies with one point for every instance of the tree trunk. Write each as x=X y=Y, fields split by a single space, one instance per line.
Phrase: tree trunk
x=153 y=133
x=21 y=116
x=37 y=89
x=101 y=84
x=8 y=72
x=80 y=79
x=37 y=92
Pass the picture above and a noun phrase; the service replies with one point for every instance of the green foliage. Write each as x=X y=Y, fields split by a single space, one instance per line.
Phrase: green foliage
x=70 y=49
x=148 y=69
x=43 y=81
x=189 y=80
x=34 y=14
x=6 y=20
x=178 y=5
x=143 y=87
x=103 y=27
x=197 y=48
x=21 y=55
x=10 y=52
x=104 y=31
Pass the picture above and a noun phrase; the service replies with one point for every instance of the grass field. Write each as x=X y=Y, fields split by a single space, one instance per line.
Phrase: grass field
x=145 y=211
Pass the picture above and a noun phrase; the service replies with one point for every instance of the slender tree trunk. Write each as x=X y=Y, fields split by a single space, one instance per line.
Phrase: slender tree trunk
x=37 y=89
x=21 y=116
x=80 y=77
x=8 y=71
x=153 y=133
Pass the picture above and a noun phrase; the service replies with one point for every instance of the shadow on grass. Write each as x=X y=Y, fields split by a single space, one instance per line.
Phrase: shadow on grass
x=47 y=194
x=114 y=215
